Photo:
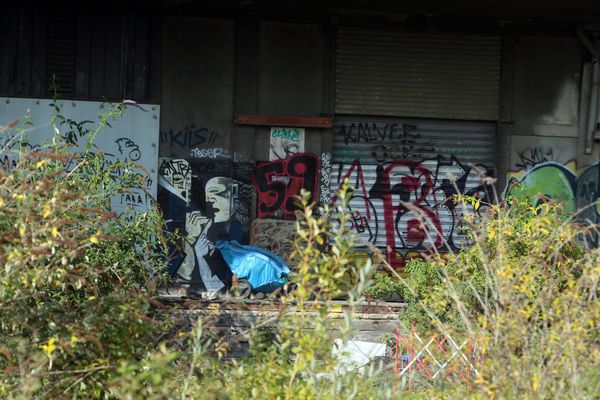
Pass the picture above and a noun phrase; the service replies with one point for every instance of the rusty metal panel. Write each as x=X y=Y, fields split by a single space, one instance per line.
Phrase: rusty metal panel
x=113 y=66
x=140 y=70
x=409 y=74
x=280 y=120
x=395 y=160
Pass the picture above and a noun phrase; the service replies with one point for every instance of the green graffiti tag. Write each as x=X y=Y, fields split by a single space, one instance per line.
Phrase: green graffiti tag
x=554 y=181
x=546 y=181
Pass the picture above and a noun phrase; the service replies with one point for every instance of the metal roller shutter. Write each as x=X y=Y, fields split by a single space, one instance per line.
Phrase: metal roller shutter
x=407 y=74
x=394 y=160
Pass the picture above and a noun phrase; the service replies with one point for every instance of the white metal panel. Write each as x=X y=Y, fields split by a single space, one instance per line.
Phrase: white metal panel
x=131 y=137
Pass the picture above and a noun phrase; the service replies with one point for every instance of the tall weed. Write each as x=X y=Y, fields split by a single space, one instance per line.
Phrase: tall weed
x=75 y=285
x=526 y=292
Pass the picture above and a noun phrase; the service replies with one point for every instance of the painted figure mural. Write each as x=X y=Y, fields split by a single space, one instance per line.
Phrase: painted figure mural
x=206 y=209
x=203 y=230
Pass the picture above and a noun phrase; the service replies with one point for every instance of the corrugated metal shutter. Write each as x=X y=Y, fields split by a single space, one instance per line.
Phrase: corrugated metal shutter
x=394 y=160
x=406 y=74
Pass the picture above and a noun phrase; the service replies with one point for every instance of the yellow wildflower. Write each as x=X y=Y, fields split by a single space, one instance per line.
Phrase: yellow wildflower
x=41 y=163
x=536 y=383
x=49 y=347
x=47 y=211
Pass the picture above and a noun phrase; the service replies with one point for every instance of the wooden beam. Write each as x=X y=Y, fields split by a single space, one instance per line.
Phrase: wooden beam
x=278 y=120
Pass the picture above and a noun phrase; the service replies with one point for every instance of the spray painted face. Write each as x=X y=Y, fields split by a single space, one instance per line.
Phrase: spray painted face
x=218 y=198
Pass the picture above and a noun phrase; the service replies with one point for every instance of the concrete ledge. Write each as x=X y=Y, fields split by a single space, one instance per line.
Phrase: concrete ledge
x=231 y=320
x=367 y=308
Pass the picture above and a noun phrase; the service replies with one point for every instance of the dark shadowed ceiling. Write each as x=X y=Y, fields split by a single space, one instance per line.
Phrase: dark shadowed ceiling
x=531 y=14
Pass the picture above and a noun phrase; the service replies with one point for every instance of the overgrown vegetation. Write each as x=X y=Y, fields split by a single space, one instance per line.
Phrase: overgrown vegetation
x=298 y=363
x=526 y=293
x=384 y=286
x=78 y=320
x=74 y=290
x=77 y=315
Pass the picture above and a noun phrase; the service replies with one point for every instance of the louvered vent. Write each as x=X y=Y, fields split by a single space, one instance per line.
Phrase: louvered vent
x=62 y=39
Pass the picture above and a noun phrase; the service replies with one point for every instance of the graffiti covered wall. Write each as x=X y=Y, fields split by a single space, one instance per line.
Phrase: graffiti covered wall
x=130 y=137
x=545 y=167
x=277 y=184
x=388 y=212
x=209 y=197
x=403 y=200
x=285 y=142
x=405 y=171
x=577 y=190
x=275 y=235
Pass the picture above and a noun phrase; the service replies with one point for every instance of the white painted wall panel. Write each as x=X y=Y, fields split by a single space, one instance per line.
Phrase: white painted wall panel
x=131 y=137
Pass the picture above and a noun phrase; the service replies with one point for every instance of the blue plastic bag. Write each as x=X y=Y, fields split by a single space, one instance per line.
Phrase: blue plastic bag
x=264 y=270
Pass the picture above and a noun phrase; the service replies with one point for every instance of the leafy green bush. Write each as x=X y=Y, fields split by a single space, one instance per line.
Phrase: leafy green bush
x=77 y=319
x=526 y=292
x=74 y=292
x=384 y=286
x=426 y=287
